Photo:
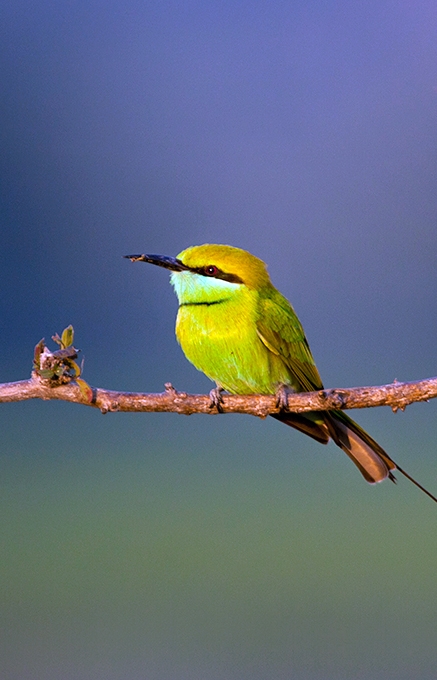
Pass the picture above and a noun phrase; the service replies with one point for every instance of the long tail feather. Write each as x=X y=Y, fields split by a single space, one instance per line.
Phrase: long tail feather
x=419 y=486
x=370 y=458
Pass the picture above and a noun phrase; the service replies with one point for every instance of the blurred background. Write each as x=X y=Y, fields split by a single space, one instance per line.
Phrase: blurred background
x=152 y=546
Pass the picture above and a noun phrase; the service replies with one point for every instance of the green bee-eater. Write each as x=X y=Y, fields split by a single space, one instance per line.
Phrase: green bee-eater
x=239 y=330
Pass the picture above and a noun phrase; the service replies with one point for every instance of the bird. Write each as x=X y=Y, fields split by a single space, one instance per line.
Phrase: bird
x=242 y=333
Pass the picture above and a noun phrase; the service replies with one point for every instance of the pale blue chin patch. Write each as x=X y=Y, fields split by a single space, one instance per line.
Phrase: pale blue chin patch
x=190 y=287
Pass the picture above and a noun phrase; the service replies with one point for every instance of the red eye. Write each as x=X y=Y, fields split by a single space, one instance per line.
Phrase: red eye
x=211 y=270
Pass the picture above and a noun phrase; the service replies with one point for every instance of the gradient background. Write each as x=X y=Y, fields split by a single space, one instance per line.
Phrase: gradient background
x=137 y=547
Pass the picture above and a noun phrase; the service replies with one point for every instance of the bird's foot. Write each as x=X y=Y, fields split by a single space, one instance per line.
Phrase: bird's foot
x=216 y=398
x=282 y=397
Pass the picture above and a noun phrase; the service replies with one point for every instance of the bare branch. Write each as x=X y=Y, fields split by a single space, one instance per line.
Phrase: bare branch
x=397 y=395
x=56 y=375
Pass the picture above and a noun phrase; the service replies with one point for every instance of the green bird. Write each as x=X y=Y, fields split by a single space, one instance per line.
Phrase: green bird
x=239 y=330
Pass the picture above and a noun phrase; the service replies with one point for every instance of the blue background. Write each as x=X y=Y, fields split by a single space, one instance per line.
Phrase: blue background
x=155 y=546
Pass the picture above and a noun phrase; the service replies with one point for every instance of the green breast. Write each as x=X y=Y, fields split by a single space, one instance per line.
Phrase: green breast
x=221 y=341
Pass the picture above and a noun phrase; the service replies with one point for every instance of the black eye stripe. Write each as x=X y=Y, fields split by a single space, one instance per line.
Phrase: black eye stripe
x=214 y=272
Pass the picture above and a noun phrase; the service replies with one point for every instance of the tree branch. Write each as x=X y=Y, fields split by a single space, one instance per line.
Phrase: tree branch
x=56 y=375
x=397 y=395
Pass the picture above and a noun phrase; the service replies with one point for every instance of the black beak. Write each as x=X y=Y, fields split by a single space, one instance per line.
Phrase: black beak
x=160 y=260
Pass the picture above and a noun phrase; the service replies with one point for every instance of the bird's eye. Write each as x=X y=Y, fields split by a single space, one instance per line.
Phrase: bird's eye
x=211 y=270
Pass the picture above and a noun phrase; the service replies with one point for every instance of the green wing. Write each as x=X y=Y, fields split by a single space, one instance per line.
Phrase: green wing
x=281 y=332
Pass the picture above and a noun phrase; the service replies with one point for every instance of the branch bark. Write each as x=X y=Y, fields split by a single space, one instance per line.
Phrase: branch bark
x=397 y=395
x=56 y=375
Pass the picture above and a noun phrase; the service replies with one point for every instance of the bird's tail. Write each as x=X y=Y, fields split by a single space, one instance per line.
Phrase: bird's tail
x=370 y=458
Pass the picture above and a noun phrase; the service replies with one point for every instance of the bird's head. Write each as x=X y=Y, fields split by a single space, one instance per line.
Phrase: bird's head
x=207 y=273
